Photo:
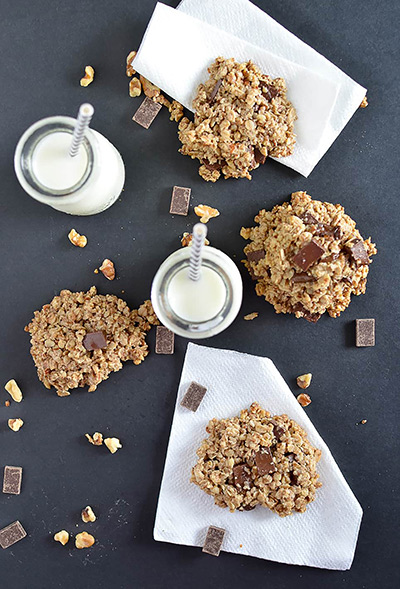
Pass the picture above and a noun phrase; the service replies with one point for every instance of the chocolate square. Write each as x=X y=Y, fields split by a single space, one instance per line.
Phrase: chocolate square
x=358 y=252
x=213 y=541
x=193 y=396
x=265 y=462
x=309 y=253
x=11 y=534
x=180 y=200
x=146 y=113
x=164 y=340
x=255 y=256
x=365 y=333
x=242 y=477
x=94 y=341
x=12 y=480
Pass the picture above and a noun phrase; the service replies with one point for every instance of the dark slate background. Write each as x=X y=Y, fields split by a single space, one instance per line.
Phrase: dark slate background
x=44 y=46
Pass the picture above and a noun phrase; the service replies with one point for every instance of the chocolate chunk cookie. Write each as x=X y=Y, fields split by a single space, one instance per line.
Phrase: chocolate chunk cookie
x=256 y=459
x=60 y=330
x=307 y=257
x=241 y=117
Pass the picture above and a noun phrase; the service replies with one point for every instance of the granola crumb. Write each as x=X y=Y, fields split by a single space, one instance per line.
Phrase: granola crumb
x=88 y=515
x=107 y=268
x=364 y=102
x=96 y=439
x=62 y=537
x=113 y=444
x=88 y=77
x=15 y=424
x=77 y=239
x=13 y=389
x=205 y=213
x=304 y=399
x=250 y=316
x=304 y=380
x=84 y=540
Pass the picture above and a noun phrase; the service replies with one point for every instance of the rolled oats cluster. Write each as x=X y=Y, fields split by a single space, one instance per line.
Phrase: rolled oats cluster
x=241 y=117
x=307 y=257
x=256 y=459
x=59 y=329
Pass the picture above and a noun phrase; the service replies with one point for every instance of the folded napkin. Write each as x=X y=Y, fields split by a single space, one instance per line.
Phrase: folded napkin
x=325 y=536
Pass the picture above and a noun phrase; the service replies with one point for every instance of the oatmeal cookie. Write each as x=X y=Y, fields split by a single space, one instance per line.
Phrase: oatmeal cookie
x=58 y=332
x=241 y=117
x=307 y=257
x=255 y=459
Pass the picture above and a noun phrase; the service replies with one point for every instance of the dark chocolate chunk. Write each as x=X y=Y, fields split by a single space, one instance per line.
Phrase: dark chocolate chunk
x=365 y=333
x=265 y=462
x=12 y=480
x=180 y=200
x=293 y=478
x=252 y=274
x=308 y=219
x=278 y=431
x=147 y=112
x=95 y=341
x=212 y=167
x=259 y=157
x=164 y=340
x=325 y=230
x=213 y=541
x=249 y=507
x=358 y=252
x=310 y=317
x=215 y=91
x=302 y=277
x=242 y=477
x=309 y=253
x=11 y=534
x=268 y=90
x=193 y=396
x=255 y=256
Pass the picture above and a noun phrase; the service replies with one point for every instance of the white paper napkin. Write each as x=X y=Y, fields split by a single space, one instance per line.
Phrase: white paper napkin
x=325 y=536
x=177 y=49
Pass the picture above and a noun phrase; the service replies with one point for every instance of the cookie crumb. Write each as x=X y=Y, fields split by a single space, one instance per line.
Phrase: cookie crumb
x=7 y=403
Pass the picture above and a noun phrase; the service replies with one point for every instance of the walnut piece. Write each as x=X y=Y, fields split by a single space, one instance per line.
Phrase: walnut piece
x=205 y=213
x=250 y=316
x=108 y=269
x=135 y=87
x=364 y=102
x=150 y=90
x=176 y=111
x=96 y=440
x=88 y=77
x=304 y=399
x=88 y=515
x=62 y=537
x=162 y=100
x=129 y=69
x=77 y=239
x=187 y=239
x=304 y=380
x=84 y=540
x=15 y=424
x=113 y=444
x=14 y=390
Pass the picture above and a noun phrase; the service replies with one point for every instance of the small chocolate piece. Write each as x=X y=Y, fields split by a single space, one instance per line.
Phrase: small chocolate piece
x=255 y=256
x=259 y=157
x=309 y=253
x=242 y=477
x=147 y=112
x=332 y=258
x=11 y=534
x=302 y=277
x=308 y=219
x=269 y=91
x=265 y=462
x=215 y=91
x=293 y=478
x=249 y=507
x=193 y=396
x=212 y=167
x=252 y=274
x=310 y=317
x=12 y=480
x=325 y=230
x=180 y=200
x=164 y=340
x=213 y=541
x=358 y=252
x=95 y=341
x=278 y=431
x=365 y=333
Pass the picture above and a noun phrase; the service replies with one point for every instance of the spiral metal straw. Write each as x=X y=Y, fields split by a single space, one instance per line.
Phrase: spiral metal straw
x=82 y=123
x=199 y=237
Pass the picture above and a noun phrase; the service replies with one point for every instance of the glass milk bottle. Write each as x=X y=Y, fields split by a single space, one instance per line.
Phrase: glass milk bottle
x=202 y=308
x=85 y=184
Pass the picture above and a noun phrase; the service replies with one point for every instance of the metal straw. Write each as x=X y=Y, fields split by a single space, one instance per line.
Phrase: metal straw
x=199 y=237
x=82 y=123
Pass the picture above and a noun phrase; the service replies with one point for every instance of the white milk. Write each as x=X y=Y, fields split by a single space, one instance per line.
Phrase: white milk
x=197 y=300
x=52 y=165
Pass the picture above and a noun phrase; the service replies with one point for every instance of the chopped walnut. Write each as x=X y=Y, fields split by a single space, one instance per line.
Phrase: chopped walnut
x=205 y=213
x=135 y=87
x=88 y=77
x=304 y=380
x=96 y=440
x=96 y=271
x=77 y=239
x=62 y=537
x=162 y=100
x=304 y=399
x=129 y=69
x=108 y=269
x=176 y=111
x=88 y=515
x=14 y=390
x=250 y=316
x=113 y=444
x=15 y=424
x=84 y=540
x=150 y=90
x=187 y=239
x=364 y=102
